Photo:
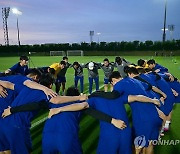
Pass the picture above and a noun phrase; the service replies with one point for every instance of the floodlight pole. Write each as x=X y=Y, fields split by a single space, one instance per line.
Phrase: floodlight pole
x=17 y=12
x=164 y=29
x=18 y=32
x=5 y=14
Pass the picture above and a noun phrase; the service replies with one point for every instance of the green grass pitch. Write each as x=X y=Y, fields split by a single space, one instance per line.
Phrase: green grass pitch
x=89 y=128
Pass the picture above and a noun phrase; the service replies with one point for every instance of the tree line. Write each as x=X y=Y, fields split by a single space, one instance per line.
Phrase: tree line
x=94 y=46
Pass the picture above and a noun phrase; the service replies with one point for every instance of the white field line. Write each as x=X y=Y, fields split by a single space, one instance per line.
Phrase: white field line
x=45 y=118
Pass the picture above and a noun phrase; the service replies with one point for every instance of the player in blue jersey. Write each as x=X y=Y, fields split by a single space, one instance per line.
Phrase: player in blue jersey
x=142 y=114
x=164 y=86
x=19 y=68
x=68 y=123
x=156 y=67
x=20 y=123
x=21 y=81
x=111 y=140
x=174 y=88
x=159 y=69
x=174 y=84
x=151 y=90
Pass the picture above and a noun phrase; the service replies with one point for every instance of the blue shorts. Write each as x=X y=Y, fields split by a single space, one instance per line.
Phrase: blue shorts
x=168 y=105
x=114 y=142
x=106 y=81
x=16 y=139
x=61 y=79
x=147 y=130
x=60 y=142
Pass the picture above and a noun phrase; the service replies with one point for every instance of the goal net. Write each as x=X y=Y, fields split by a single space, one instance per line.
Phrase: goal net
x=57 y=53
x=75 y=53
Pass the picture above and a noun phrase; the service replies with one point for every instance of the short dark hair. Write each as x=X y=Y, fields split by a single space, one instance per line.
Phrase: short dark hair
x=115 y=75
x=46 y=80
x=151 y=61
x=52 y=71
x=126 y=68
x=76 y=63
x=106 y=59
x=118 y=60
x=65 y=57
x=35 y=71
x=62 y=62
x=132 y=70
x=24 y=58
x=140 y=62
x=72 y=91
x=141 y=70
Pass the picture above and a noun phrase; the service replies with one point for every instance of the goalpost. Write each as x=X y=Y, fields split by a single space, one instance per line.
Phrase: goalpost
x=57 y=53
x=75 y=53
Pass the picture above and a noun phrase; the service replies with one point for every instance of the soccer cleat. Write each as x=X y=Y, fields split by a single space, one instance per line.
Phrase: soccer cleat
x=166 y=127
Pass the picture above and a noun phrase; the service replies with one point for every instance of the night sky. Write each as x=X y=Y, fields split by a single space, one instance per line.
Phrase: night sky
x=60 y=21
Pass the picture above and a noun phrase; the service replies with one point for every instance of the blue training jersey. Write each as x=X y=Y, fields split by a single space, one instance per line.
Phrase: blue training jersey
x=140 y=111
x=151 y=93
x=174 y=85
x=18 y=69
x=64 y=122
x=18 y=80
x=163 y=85
x=23 y=119
x=114 y=108
x=161 y=68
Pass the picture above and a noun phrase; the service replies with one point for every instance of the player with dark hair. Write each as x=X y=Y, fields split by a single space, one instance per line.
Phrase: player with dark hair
x=66 y=132
x=142 y=113
x=120 y=63
x=107 y=68
x=58 y=67
x=111 y=140
x=61 y=76
x=19 y=68
x=78 y=75
x=141 y=62
x=19 y=124
x=22 y=81
x=156 y=67
x=45 y=70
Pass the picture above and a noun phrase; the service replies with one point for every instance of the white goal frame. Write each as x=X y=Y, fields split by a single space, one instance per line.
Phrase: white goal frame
x=57 y=53
x=75 y=53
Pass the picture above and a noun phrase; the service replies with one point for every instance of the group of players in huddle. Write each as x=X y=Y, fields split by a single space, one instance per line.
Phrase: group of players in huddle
x=149 y=89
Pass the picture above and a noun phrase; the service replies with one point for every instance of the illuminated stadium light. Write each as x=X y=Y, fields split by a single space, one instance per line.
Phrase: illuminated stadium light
x=17 y=12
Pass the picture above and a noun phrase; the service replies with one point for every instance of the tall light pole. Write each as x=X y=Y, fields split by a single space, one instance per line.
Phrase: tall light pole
x=17 y=13
x=164 y=29
x=5 y=14
x=91 y=34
